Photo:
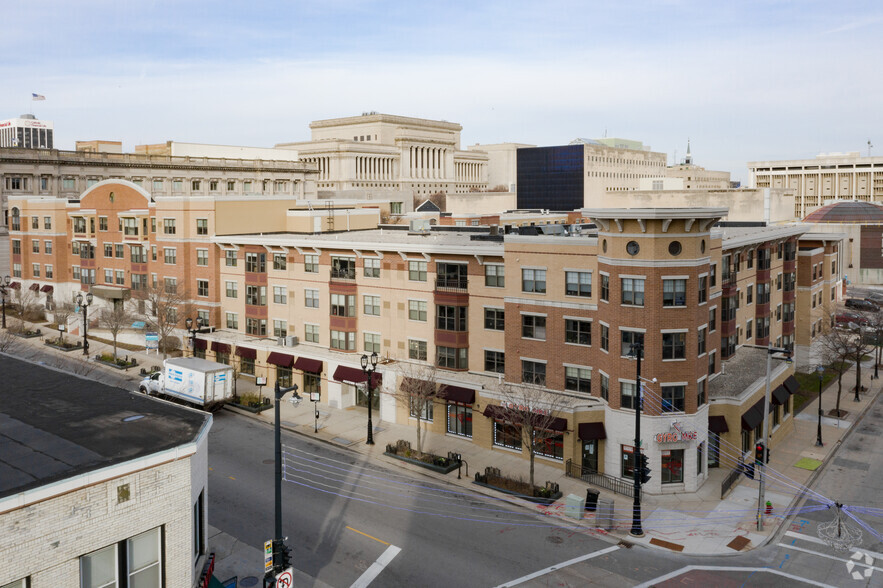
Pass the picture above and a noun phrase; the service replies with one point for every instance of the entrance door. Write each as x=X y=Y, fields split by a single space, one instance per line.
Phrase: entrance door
x=590 y=455
x=362 y=397
x=714 y=442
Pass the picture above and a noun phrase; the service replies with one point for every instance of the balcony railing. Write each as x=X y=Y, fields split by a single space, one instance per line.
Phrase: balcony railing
x=338 y=273
x=452 y=284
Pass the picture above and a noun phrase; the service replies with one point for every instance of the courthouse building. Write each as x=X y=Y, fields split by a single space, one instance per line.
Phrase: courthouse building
x=299 y=297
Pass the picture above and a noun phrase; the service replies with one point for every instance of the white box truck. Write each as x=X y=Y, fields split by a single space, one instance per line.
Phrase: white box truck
x=207 y=384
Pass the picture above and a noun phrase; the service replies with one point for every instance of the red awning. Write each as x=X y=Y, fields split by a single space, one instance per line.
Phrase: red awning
x=200 y=343
x=15 y=286
x=246 y=352
x=219 y=347
x=501 y=414
x=280 y=359
x=592 y=431
x=718 y=424
x=355 y=376
x=791 y=385
x=456 y=394
x=47 y=288
x=311 y=366
x=35 y=287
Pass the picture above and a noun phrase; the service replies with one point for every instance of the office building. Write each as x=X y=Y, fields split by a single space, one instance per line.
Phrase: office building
x=26 y=132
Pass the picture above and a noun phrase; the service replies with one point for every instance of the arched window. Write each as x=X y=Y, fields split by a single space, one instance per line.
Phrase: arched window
x=16 y=220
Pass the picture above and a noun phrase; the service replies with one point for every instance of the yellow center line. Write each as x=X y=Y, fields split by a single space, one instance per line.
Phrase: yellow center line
x=231 y=477
x=368 y=536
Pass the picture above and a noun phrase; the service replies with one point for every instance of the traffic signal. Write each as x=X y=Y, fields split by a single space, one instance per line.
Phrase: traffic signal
x=767 y=455
x=644 y=468
x=759 y=453
x=286 y=557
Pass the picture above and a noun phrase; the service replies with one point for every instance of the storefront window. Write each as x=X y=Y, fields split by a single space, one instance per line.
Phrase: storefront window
x=628 y=461
x=283 y=376
x=507 y=435
x=549 y=444
x=246 y=366
x=460 y=420
x=672 y=471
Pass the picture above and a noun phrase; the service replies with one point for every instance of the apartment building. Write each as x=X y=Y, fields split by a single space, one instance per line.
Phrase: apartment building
x=830 y=176
x=296 y=300
x=384 y=151
x=100 y=487
x=561 y=311
x=583 y=173
x=67 y=174
x=116 y=239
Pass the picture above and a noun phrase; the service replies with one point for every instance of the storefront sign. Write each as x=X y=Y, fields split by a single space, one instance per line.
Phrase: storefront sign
x=677 y=436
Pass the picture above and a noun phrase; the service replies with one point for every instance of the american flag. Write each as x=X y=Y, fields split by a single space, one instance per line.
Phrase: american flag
x=38 y=96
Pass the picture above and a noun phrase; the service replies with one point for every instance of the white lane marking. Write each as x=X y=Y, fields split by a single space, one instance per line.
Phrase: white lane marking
x=812 y=539
x=809 y=538
x=676 y=573
x=556 y=567
x=372 y=572
x=825 y=555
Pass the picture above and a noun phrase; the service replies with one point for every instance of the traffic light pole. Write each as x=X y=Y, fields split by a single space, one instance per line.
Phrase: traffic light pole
x=280 y=551
x=637 y=463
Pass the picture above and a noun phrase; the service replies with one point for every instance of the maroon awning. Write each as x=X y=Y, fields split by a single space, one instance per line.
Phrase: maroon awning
x=501 y=414
x=779 y=396
x=456 y=394
x=47 y=288
x=311 y=366
x=495 y=412
x=718 y=424
x=280 y=359
x=591 y=431
x=791 y=385
x=15 y=286
x=246 y=352
x=35 y=287
x=219 y=347
x=200 y=343
x=355 y=376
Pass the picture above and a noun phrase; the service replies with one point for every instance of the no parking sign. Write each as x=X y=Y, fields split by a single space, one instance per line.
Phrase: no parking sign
x=285 y=579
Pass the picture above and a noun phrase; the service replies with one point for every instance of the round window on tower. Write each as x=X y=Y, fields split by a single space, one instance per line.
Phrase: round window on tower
x=632 y=247
x=604 y=246
x=674 y=248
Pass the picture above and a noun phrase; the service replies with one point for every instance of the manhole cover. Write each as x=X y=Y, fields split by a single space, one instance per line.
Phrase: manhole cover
x=248 y=581
x=269 y=461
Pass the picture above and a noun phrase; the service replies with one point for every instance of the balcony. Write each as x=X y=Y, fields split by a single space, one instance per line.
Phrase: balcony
x=347 y=274
x=455 y=284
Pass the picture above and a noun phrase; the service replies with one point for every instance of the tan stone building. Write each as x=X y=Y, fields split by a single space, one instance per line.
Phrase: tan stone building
x=828 y=177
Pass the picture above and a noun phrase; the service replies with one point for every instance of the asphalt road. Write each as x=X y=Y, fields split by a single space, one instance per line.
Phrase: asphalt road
x=342 y=514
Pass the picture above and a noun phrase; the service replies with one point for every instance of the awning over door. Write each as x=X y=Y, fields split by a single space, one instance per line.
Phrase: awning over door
x=456 y=394
x=219 y=347
x=791 y=385
x=718 y=424
x=591 y=431
x=200 y=344
x=350 y=375
x=246 y=352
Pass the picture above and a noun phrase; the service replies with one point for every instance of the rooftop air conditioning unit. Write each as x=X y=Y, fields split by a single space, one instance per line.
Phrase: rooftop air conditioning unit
x=291 y=341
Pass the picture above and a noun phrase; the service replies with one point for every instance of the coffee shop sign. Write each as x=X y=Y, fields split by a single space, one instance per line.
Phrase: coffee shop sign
x=678 y=435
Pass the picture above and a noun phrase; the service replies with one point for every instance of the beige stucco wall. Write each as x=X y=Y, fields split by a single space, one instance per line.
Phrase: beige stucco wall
x=481 y=202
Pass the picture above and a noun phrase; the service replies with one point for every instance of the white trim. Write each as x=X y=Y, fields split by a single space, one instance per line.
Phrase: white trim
x=549 y=303
x=633 y=276
x=542 y=361
x=528 y=313
x=664 y=331
x=578 y=318
x=582 y=367
x=633 y=330
x=675 y=277
x=654 y=263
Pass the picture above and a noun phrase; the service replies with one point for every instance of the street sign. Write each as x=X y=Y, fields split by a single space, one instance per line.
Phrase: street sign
x=315 y=396
x=260 y=381
x=268 y=556
x=285 y=579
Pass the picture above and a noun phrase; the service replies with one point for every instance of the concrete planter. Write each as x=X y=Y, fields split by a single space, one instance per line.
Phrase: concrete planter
x=452 y=465
x=534 y=499
x=252 y=409
x=112 y=364
x=64 y=348
x=29 y=334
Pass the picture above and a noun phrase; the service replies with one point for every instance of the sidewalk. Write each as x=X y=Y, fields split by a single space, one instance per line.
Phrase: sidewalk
x=688 y=523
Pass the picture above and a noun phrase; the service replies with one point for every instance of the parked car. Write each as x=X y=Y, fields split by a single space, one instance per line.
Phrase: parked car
x=875 y=301
x=875 y=297
x=846 y=317
x=864 y=305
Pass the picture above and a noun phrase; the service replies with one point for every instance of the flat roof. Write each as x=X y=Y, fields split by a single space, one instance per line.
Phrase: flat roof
x=55 y=425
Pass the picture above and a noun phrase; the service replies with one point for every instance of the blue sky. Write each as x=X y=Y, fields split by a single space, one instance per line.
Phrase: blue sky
x=744 y=80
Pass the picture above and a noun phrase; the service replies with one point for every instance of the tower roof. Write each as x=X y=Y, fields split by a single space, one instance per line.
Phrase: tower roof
x=847 y=211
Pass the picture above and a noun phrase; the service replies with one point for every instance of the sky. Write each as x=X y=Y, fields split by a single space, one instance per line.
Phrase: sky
x=743 y=80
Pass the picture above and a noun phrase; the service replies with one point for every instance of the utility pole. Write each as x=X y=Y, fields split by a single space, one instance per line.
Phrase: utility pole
x=637 y=461
x=760 y=464
x=281 y=553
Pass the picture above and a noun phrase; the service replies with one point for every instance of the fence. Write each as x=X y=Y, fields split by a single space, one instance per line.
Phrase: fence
x=617 y=485
x=732 y=478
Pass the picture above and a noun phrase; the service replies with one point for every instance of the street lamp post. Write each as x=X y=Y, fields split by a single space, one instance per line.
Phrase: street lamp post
x=281 y=553
x=188 y=322
x=368 y=368
x=637 y=464
x=84 y=303
x=759 y=465
x=4 y=283
x=820 y=370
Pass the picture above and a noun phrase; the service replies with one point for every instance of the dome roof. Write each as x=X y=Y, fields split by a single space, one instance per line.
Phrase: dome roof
x=847 y=211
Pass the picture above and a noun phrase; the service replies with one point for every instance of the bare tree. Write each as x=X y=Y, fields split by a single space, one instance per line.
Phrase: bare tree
x=164 y=306
x=8 y=341
x=532 y=410
x=115 y=319
x=843 y=343
x=62 y=314
x=25 y=301
x=417 y=394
